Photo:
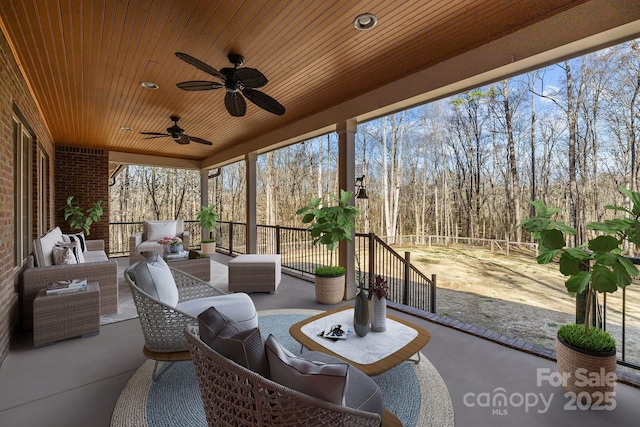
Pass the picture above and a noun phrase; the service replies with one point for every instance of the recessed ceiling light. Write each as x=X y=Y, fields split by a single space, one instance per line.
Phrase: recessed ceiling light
x=366 y=21
x=127 y=128
x=149 y=85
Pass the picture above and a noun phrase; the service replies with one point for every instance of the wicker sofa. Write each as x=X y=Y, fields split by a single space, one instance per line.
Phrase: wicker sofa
x=250 y=399
x=40 y=272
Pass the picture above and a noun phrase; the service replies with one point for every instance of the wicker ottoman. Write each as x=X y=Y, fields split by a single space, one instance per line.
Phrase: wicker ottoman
x=254 y=273
x=56 y=317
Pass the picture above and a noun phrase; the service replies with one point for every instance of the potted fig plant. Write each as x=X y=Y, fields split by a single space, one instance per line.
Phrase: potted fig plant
x=208 y=218
x=586 y=356
x=79 y=219
x=329 y=225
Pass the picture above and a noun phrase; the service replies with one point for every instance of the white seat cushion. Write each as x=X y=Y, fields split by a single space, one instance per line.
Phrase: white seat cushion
x=238 y=307
x=154 y=277
x=149 y=246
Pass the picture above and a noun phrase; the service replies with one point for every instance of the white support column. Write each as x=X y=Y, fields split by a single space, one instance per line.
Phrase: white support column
x=204 y=196
x=346 y=178
x=252 y=228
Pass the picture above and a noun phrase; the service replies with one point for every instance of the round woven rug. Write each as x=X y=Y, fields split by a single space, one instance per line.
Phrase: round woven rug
x=414 y=392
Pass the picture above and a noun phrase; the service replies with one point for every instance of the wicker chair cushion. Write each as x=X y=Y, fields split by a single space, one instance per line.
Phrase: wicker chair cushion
x=326 y=381
x=156 y=230
x=154 y=277
x=362 y=392
x=238 y=307
x=227 y=337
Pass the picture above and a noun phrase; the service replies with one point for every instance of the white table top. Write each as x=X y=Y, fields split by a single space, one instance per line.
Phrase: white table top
x=363 y=350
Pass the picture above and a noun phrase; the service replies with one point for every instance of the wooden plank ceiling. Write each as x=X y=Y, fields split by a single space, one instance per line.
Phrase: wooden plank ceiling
x=85 y=59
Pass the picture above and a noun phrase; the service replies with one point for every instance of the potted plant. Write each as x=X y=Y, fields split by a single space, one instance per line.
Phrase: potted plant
x=586 y=356
x=329 y=225
x=78 y=219
x=208 y=218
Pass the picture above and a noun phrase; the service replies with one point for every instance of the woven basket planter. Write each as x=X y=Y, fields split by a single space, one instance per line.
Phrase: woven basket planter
x=208 y=248
x=590 y=376
x=329 y=290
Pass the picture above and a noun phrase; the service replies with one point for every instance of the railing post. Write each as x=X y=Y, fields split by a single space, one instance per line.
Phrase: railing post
x=372 y=258
x=407 y=274
x=277 y=239
x=432 y=294
x=230 y=238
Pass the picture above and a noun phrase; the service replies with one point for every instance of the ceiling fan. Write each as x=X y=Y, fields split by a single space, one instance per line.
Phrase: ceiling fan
x=177 y=133
x=237 y=81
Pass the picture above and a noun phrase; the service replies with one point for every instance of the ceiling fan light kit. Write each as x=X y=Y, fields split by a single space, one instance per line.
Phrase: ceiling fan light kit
x=238 y=83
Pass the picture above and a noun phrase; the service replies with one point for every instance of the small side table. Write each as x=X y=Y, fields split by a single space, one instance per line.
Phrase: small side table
x=57 y=317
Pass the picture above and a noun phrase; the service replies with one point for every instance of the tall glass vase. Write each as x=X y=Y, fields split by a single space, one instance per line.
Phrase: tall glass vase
x=378 y=314
x=361 y=322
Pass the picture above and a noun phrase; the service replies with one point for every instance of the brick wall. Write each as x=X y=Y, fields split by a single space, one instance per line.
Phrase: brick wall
x=14 y=97
x=84 y=174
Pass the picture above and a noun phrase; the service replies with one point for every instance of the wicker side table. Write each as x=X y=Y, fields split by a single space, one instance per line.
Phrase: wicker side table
x=56 y=317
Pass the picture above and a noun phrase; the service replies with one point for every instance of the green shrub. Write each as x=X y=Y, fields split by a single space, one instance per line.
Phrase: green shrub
x=327 y=271
x=594 y=339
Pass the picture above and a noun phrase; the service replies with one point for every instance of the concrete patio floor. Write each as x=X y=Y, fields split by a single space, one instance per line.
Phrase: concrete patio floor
x=76 y=382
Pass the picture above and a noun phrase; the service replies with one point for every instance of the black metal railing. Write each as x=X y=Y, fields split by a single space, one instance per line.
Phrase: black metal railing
x=407 y=285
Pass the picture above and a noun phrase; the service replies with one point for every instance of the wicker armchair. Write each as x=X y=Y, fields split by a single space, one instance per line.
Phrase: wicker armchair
x=234 y=395
x=162 y=325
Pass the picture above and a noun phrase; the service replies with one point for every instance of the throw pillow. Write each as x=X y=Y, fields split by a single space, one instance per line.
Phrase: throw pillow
x=326 y=381
x=227 y=337
x=74 y=246
x=156 y=230
x=63 y=255
x=76 y=237
x=154 y=277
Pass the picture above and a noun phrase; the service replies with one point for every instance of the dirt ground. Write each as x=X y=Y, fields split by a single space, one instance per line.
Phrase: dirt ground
x=515 y=296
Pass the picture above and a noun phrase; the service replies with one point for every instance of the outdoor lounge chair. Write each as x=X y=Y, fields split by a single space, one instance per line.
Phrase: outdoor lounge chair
x=168 y=300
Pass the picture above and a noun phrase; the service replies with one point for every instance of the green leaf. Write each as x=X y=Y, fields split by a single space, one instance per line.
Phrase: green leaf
x=578 y=282
x=563 y=227
x=547 y=256
x=603 y=244
x=534 y=224
x=578 y=253
x=606 y=258
x=570 y=265
x=634 y=197
x=623 y=278
x=552 y=239
x=629 y=266
x=308 y=218
x=603 y=279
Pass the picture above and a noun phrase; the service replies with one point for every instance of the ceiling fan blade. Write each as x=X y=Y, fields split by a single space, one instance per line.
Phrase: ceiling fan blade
x=199 y=85
x=250 y=77
x=264 y=101
x=200 y=140
x=235 y=103
x=154 y=137
x=154 y=134
x=200 y=65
